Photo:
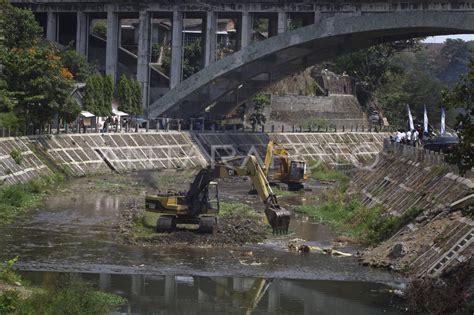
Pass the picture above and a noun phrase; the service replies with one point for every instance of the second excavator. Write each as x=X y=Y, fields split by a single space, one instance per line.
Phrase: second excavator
x=288 y=171
x=199 y=206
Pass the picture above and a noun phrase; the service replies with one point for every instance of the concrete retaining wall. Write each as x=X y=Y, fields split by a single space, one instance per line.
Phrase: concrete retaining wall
x=332 y=148
x=440 y=236
x=29 y=167
x=83 y=154
x=335 y=110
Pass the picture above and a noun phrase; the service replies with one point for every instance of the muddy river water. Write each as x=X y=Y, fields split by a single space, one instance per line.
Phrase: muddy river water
x=75 y=231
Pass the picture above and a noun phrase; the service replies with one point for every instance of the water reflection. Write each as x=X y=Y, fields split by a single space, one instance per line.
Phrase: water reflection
x=149 y=294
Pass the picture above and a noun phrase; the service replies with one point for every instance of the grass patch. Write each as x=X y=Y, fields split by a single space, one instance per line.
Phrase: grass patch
x=16 y=199
x=7 y=275
x=144 y=224
x=285 y=193
x=323 y=172
x=351 y=218
x=67 y=294
x=237 y=209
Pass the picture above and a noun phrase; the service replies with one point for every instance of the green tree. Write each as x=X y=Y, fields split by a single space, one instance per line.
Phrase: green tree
x=98 y=95
x=415 y=87
x=259 y=102
x=136 y=97
x=462 y=96
x=37 y=81
x=192 y=59
x=77 y=64
x=371 y=67
x=125 y=95
x=19 y=27
x=92 y=92
x=453 y=61
x=108 y=95
x=100 y=29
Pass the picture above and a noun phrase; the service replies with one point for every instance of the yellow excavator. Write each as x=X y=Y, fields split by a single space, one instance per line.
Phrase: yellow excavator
x=200 y=204
x=293 y=173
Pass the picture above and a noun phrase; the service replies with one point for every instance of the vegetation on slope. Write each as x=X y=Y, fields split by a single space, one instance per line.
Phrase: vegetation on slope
x=16 y=200
x=67 y=294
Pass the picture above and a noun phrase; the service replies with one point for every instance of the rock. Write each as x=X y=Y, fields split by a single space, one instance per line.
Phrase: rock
x=399 y=250
x=420 y=218
x=303 y=248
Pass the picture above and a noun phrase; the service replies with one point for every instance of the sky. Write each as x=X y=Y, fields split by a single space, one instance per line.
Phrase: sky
x=441 y=39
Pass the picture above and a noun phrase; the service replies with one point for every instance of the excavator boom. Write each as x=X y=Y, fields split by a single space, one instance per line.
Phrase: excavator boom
x=277 y=216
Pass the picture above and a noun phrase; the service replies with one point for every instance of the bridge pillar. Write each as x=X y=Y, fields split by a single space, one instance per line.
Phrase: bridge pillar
x=210 y=42
x=82 y=33
x=143 y=60
x=52 y=26
x=176 y=49
x=282 y=22
x=111 y=53
x=245 y=29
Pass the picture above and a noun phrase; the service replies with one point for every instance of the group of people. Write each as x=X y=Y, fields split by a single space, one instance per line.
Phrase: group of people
x=410 y=137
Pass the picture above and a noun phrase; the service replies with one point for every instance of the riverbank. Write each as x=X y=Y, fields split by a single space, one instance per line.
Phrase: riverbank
x=67 y=294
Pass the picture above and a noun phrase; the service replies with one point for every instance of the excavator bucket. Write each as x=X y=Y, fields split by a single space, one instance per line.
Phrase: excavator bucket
x=279 y=218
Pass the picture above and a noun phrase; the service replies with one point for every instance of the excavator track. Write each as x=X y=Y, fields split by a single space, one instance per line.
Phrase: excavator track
x=166 y=223
x=208 y=224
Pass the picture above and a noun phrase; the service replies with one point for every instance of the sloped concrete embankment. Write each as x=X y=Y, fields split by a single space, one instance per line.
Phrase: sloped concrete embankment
x=83 y=154
x=441 y=236
x=331 y=148
x=24 y=167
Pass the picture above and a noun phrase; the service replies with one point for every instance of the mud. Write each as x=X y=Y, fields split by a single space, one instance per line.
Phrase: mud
x=232 y=231
x=451 y=293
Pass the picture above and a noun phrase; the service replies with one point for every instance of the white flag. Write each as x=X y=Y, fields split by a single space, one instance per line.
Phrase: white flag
x=443 y=121
x=425 y=122
x=410 y=118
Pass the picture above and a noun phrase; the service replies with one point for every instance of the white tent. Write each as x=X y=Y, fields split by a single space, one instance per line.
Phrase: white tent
x=116 y=112
x=86 y=114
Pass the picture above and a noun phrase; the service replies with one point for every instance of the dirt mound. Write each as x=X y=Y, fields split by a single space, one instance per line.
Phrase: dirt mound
x=452 y=293
x=233 y=230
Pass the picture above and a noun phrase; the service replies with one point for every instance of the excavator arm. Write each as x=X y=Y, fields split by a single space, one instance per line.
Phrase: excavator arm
x=278 y=217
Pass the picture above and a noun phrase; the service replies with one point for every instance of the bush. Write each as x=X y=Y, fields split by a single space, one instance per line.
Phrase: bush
x=17 y=199
x=100 y=29
x=7 y=275
x=67 y=294
x=323 y=172
x=16 y=156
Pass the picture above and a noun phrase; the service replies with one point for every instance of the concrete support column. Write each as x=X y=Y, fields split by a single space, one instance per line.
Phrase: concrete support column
x=176 y=49
x=273 y=26
x=245 y=29
x=143 y=60
x=282 y=22
x=111 y=54
x=210 y=42
x=82 y=33
x=317 y=17
x=52 y=26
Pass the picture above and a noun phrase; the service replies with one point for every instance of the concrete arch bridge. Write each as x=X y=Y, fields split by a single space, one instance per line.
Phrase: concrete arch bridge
x=225 y=84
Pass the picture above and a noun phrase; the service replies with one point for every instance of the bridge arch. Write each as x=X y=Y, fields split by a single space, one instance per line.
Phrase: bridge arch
x=229 y=82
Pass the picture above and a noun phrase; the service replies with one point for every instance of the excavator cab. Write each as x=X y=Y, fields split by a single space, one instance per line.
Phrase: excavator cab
x=290 y=172
x=297 y=172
